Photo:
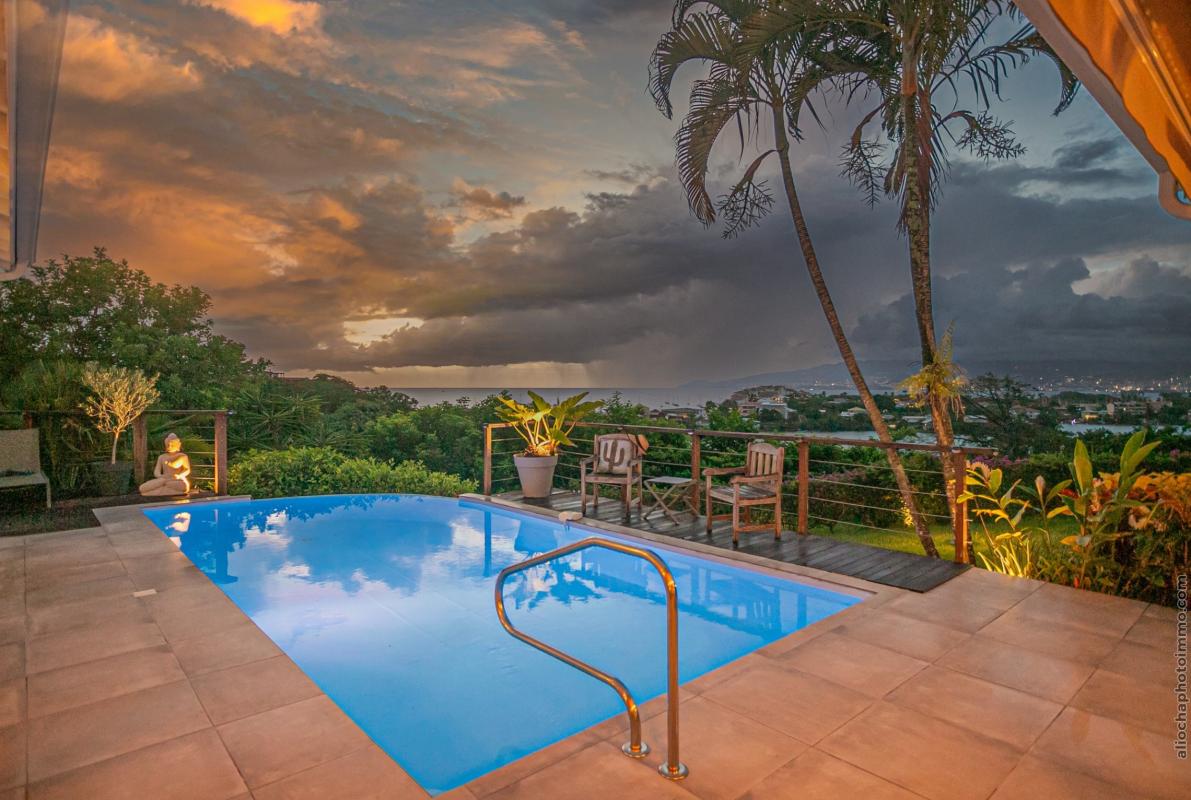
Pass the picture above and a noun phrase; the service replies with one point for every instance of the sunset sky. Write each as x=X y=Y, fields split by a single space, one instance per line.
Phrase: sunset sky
x=482 y=194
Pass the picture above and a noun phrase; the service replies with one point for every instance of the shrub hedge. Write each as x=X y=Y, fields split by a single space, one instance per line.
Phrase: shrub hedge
x=323 y=470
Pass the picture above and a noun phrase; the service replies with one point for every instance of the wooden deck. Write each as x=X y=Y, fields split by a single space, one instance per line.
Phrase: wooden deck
x=888 y=567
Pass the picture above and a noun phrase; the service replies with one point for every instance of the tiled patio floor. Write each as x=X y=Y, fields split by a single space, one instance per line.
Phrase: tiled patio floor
x=984 y=687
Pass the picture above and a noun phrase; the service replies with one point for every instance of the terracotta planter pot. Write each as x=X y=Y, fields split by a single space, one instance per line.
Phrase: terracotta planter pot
x=537 y=474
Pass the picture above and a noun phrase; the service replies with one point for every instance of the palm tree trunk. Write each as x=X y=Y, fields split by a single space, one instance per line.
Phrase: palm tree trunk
x=916 y=218
x=837 y=331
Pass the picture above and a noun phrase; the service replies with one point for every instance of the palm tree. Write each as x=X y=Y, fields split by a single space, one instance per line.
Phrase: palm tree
x=916 y=61
x=752 y=92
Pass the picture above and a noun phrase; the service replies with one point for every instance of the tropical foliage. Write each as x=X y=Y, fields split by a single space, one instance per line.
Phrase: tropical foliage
x=1130 y=531
x=96 y=309
x=545 y=428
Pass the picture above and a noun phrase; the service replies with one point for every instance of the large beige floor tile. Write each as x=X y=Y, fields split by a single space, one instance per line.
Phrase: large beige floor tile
x=367 y=774
x=1156 y=611
x=523 y=767
x=906 y=635
x=934 y=758
x=81 y=684
x=1038 y=779
x=954 y=610
x=79 y=591
x=1153 y=631
x=796 y=703
x=284 y=741
x=12 y=702
x=1083 y=610
x=814 y=775
x=122 y=609
x=89 y=644
x=12 y=628
x=192 y=767
x=49 y=577
x=252 y=688
x=733 y=751
x=987 y=588
x=1143 y=662
x=67 y=556
x=189 y=623
x=225 y=648
x=88 y=734
x=145 y=546
x=1016 y=667
x=12 y=756
x=1117 y=753
x=999 y=712
x=12 y=661
x=852 y=663
x=164 y=571
x=1051 y=638
x=1146 y=704
x=599 y=772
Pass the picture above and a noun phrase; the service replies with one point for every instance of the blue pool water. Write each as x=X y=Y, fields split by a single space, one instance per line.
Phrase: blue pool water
x=386 y=602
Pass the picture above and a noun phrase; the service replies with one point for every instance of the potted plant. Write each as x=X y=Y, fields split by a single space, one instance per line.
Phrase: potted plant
x=118 y=396
x=546 y=429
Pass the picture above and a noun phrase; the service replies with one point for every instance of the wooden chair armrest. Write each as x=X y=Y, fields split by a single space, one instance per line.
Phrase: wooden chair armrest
x=722 y=471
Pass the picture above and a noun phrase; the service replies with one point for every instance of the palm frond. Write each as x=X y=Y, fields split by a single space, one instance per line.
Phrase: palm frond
x=748 y=202
x=703 y=36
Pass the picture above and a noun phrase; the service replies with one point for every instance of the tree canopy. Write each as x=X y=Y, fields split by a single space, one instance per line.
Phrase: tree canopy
x=96 y=309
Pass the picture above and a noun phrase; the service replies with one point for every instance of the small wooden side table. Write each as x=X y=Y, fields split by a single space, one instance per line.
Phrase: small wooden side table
x=670 y=495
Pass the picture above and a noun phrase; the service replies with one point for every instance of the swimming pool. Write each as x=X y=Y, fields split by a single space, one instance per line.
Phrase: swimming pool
x=386 y=602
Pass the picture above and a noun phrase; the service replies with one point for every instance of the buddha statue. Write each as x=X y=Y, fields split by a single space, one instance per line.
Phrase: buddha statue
x=170 y=473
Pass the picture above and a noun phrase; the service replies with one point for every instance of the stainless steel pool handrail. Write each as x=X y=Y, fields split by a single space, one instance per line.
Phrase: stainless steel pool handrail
x=672 y=768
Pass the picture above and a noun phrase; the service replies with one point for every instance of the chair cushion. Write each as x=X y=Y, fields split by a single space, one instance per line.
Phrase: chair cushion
x=614 y=454
x=31 y=479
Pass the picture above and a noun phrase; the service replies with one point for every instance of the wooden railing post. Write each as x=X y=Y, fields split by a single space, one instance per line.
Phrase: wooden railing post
x=804 y=484
x=696 y=468
x=487 y=459
x=959 y=519
x=220 y=452
x=140 y=449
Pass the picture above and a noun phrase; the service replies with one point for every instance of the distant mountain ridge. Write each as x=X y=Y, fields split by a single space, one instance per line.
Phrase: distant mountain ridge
x=886 y=374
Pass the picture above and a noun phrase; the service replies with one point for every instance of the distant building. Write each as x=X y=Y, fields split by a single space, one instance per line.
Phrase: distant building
x=751 y=408
x=854 y=411
x=687 y=416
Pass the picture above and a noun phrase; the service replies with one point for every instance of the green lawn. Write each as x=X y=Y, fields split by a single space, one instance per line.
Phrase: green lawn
x=905 y=540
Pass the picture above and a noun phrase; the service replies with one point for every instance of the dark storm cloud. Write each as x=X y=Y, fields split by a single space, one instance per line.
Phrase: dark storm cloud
x=1036 y=313
x=305 y=166
x=1082 y=154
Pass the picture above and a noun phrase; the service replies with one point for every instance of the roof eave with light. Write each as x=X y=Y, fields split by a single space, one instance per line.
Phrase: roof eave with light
x=1127 y=54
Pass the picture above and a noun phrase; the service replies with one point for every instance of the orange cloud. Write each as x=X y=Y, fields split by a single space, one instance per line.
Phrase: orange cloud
x=282 y=17
x=109 y=65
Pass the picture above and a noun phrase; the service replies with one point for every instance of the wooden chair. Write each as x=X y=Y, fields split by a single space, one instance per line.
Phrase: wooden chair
x=20 y=456
x=617 y=462
x=757 y=483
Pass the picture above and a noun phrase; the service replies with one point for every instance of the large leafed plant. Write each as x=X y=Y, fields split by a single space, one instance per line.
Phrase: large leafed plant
x=545 y=428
